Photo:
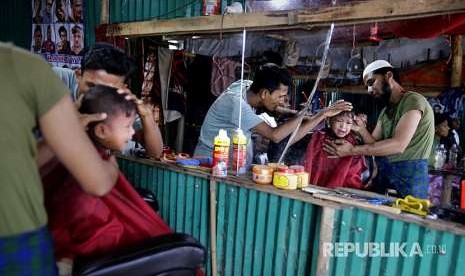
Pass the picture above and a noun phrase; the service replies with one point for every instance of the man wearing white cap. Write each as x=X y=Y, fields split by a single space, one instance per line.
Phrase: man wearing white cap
x=403 y=134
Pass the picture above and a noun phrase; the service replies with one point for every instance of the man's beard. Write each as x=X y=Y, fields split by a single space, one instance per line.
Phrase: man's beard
x=384 y=98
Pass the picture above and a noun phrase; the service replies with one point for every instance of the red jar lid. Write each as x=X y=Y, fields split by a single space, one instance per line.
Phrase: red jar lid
x=297 y=168
x=285 y=170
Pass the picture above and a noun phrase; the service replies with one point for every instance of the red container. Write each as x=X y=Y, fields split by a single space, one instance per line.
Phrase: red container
x=211 y=7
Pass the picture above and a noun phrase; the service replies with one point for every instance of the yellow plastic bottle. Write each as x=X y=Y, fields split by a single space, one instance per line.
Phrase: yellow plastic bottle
x=239 y=159
x=221 y=154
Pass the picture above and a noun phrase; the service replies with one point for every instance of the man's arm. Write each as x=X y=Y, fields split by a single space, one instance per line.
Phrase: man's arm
x=66 y=137
x=45 y=153
x=279 y=133
x=370 y=138
x=405 y=129
x=152 y=140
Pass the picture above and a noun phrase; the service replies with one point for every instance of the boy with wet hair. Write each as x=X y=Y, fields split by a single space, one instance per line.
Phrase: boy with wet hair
x=335 y=172
x=89 y=226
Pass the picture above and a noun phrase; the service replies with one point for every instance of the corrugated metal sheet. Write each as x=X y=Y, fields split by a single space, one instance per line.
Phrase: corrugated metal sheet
x=263 y=234
x=16 y=22
x=92 y=20
x=140 y=10
x=257 y=233
x=183 y=199
x=359 y=226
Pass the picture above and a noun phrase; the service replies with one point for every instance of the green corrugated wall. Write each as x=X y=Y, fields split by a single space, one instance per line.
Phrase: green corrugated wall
x=16 y=22
x=264 y=234
x=257 y=233
x=139 y=10
x=92 y=20
x=16 y=18
x=359 y=226
x=183 y=199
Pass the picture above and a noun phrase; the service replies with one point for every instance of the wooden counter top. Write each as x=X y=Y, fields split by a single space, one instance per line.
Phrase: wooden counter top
x=335 y=203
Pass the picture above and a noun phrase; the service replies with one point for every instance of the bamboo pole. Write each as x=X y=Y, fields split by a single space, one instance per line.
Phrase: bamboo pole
x=213 y=225
x=104 y=12
x=457 y=58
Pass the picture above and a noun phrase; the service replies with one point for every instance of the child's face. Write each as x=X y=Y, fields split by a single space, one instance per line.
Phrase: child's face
x=118 y=131
x=341 y=125
x=442 y=130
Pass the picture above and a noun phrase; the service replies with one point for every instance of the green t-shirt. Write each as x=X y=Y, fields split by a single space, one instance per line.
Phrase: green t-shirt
x=28 y=89
x=422 y=140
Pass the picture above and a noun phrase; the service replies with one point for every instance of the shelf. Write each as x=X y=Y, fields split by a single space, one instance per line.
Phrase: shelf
x=347 y=13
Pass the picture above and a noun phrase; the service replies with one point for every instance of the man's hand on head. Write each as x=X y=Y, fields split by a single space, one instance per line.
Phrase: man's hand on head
x=144 y=110
x=337 y=108
x=86 y=119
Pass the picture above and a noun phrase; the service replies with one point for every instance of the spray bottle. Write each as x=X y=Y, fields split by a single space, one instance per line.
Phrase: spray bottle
x=239 y=152
x=220 y=154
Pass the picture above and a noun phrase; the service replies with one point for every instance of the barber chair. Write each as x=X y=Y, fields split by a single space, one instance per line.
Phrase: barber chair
x=173 y=254
x=149 y=197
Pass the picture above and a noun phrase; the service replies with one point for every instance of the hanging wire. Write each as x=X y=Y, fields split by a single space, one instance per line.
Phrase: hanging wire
x=244 y=32
x=309 y=100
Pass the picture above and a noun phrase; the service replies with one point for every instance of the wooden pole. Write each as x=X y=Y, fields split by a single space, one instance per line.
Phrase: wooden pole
x=104 y=12
x=213 y=225
x=326 y=237
x=457 y=58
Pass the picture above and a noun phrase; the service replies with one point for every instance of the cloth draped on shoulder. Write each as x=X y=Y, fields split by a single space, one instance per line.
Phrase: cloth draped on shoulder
x=333 y=172
x=86 y=225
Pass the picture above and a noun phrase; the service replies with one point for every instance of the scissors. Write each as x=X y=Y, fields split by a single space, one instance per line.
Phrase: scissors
x=413 y=205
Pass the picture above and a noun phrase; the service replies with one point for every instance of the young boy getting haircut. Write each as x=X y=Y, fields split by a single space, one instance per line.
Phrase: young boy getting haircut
x=334 y=172
x=90 y=226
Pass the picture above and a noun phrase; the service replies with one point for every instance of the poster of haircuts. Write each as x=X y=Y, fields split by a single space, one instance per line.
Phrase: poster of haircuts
x=58 y=31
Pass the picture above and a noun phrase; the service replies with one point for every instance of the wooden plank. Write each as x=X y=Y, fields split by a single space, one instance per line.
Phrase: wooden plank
x=457 y=59
x=326 y=236
x=105 y=12
x=352 y=12
x=213 y=226
x=379 y=208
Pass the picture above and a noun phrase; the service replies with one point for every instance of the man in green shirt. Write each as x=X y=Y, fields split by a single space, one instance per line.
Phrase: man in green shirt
x=403 y=134
x=32 y=95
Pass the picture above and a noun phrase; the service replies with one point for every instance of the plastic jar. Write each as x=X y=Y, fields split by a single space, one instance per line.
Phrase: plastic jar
x=262 y=174
x=276 y=166
x=285 y=179
x=302 y=176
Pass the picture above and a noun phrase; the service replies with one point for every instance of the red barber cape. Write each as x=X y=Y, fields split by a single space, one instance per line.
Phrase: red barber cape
x=86 y=225
x=333 y=172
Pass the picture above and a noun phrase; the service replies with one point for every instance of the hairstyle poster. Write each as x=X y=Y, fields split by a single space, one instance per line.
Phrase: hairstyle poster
x=58 y=31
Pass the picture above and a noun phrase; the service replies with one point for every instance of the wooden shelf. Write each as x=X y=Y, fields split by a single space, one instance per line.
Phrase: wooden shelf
x=347 y=13
x=360 y=89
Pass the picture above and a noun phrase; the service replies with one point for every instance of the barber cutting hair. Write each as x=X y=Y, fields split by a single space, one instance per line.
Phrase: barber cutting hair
x=403 y=134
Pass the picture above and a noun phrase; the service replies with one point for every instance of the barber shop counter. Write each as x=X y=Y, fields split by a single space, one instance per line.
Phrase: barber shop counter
x=260 y=230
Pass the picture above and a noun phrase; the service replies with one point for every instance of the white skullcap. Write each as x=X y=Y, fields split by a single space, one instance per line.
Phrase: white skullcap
x=375 y=65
